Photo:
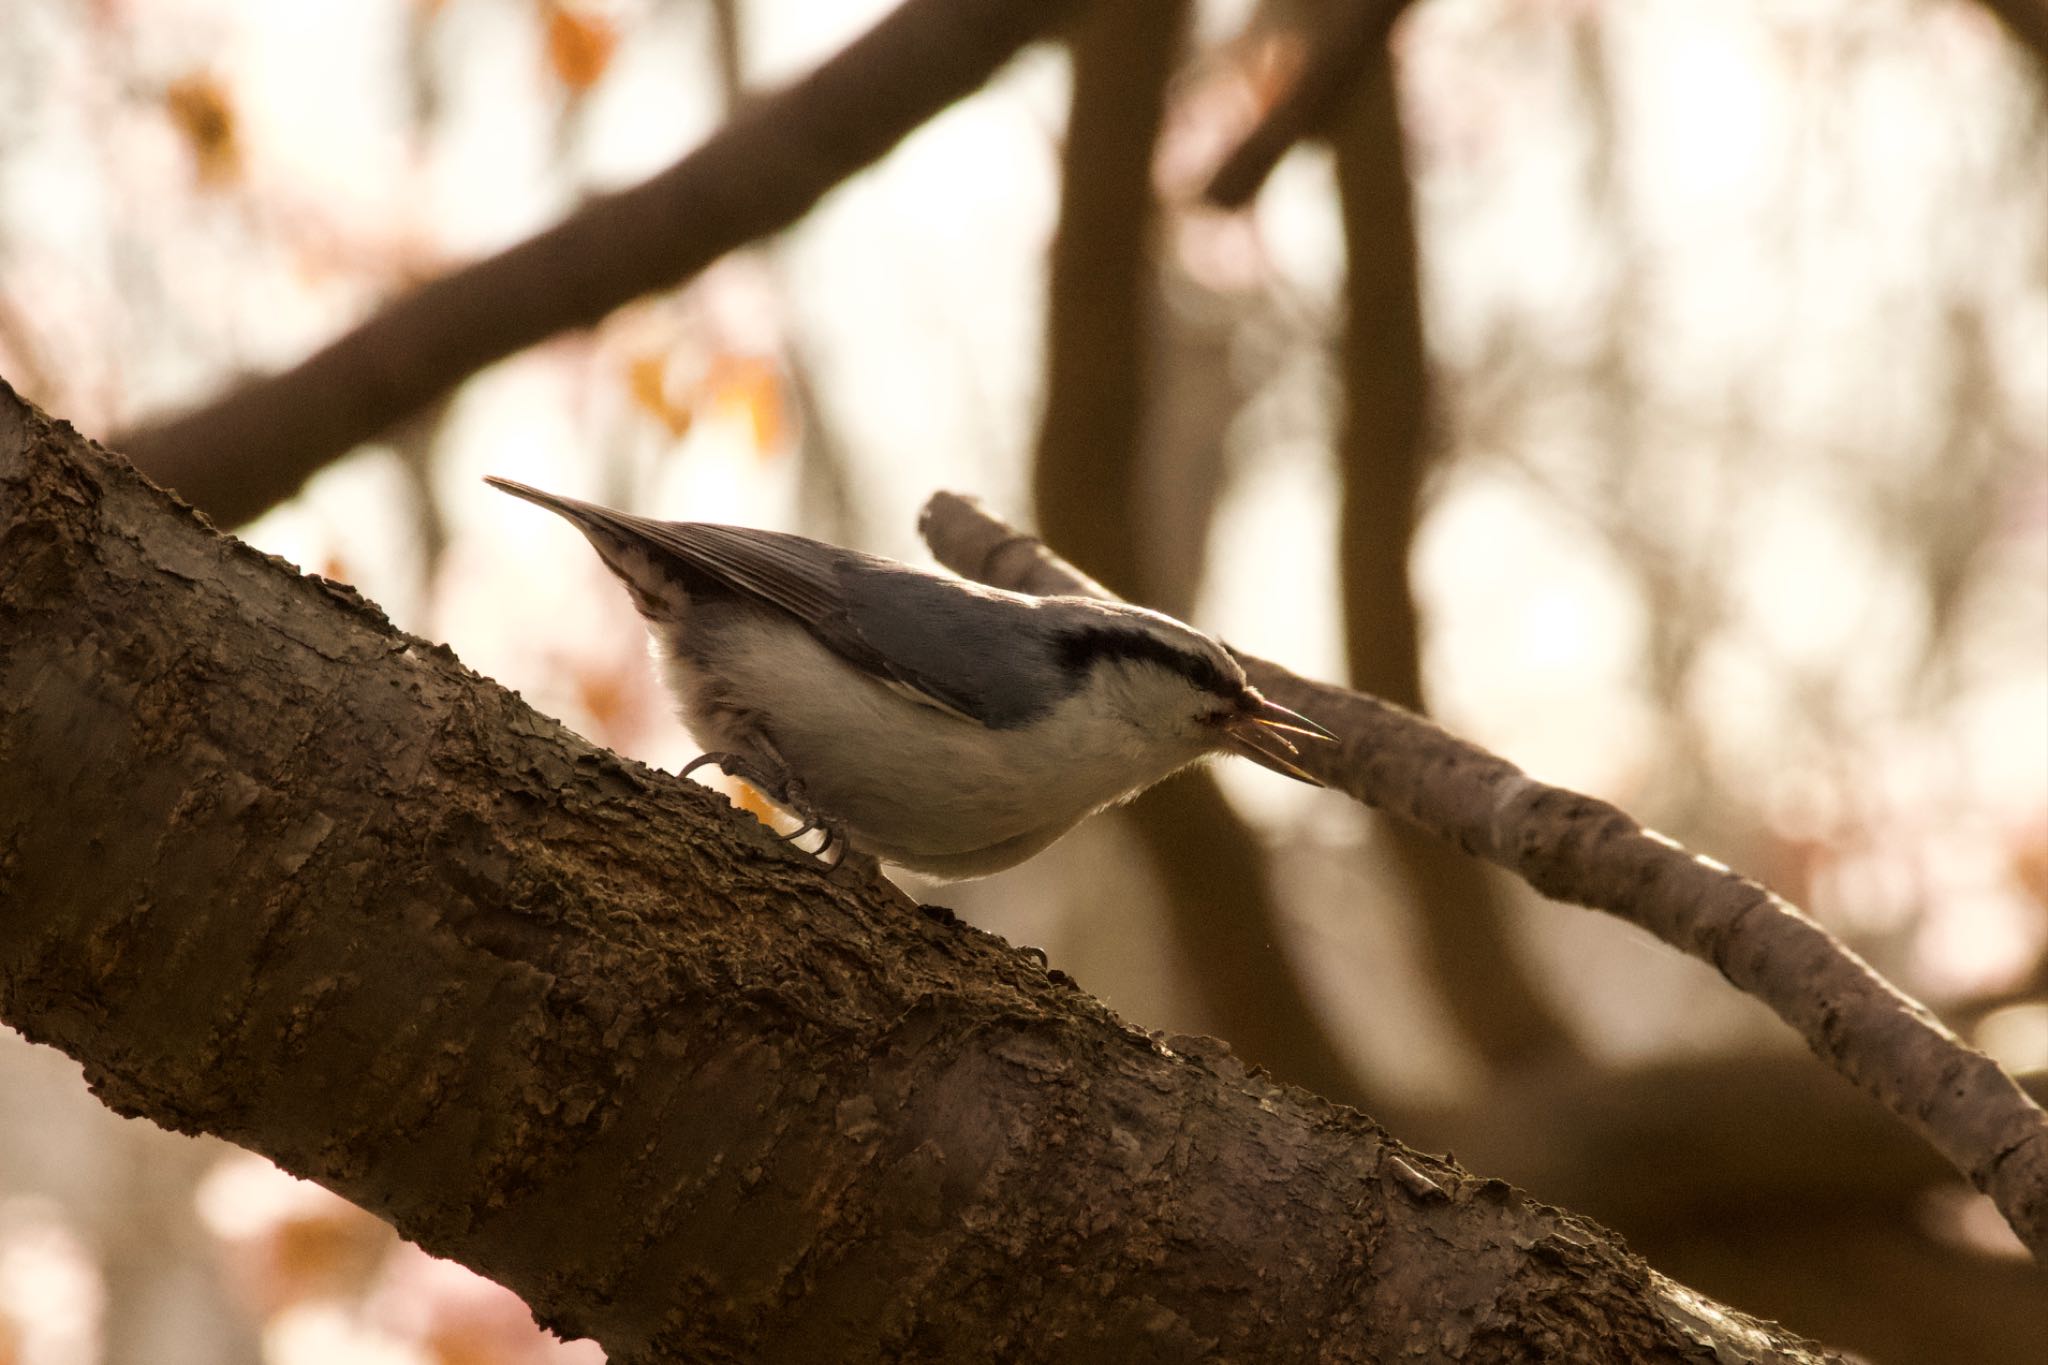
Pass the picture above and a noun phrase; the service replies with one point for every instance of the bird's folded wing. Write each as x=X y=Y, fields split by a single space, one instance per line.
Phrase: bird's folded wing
x=789 y=572
x=809 y=580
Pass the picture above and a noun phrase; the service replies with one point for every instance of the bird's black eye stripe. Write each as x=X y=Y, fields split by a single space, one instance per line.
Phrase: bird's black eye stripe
x=1080 y=648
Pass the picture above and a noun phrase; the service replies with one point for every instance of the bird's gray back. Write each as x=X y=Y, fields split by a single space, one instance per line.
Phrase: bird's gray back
x=955 y=643
x=980 y=651
x=986 y=655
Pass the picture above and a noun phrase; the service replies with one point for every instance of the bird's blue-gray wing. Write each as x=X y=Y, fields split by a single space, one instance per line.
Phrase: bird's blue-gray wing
x=949 y=644
x=982 y=652
x=938 y=640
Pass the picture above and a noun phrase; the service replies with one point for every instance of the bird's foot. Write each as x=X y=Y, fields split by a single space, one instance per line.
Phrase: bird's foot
x=774 y=785
x=780 y=786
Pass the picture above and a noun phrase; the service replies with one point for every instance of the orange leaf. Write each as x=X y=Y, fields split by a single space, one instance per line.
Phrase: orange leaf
x=750 y=388
x=753 y=803
x=647 y=381
x=604 y=694
x=2030 y=861
x=321 y=1255
x=1271 y=66
x=580 y=46
x=198 y=107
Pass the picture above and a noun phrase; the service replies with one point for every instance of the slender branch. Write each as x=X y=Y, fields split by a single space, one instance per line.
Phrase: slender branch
x=758 y=174
x=1341 y=55
x=1584 y=851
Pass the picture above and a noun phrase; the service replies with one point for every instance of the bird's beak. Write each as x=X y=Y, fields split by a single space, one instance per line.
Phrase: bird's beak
x=1261 y=735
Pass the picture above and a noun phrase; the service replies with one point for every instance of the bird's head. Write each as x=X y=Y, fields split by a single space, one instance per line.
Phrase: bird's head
x=1171 y=681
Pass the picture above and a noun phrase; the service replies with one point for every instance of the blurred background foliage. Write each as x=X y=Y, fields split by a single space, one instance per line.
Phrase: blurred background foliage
x=1656 y=393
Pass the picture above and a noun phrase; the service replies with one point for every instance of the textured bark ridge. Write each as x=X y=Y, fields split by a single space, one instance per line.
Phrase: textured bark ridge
x=275 y=870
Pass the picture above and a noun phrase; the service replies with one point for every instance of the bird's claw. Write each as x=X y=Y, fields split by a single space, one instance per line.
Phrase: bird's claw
x=740 y=766
x=781 y=788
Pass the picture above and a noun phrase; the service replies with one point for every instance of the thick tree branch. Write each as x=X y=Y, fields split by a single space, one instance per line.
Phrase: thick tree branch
x=1768 y=1183
x=1582 y=850
x=253 y=448
x=273 y=869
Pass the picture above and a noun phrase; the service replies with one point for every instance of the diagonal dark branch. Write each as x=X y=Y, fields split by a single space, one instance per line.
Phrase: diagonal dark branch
x=761 y=172
x=1584 y=851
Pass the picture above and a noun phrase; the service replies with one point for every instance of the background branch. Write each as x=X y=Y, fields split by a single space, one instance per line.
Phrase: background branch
x=243 y=453
x=1584 y=851
x=1341 y=53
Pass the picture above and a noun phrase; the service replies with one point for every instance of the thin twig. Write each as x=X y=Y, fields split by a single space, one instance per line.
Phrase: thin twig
x=1584 y=851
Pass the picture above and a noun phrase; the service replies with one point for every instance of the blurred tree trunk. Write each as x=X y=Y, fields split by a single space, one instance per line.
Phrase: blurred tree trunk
x=160 y=1269
x=127 y=1191
x=1103 y=323
x=1475 y=965
x=274 y=870
x=1103 y=311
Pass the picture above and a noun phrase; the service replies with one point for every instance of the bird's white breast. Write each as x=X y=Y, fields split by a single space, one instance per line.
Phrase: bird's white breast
x=908 y=782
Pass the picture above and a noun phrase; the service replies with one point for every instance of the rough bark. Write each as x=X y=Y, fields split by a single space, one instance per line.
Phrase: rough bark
x=762 y=171
x=1762 y=1180
x=275 y=870
x=1584 y=851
